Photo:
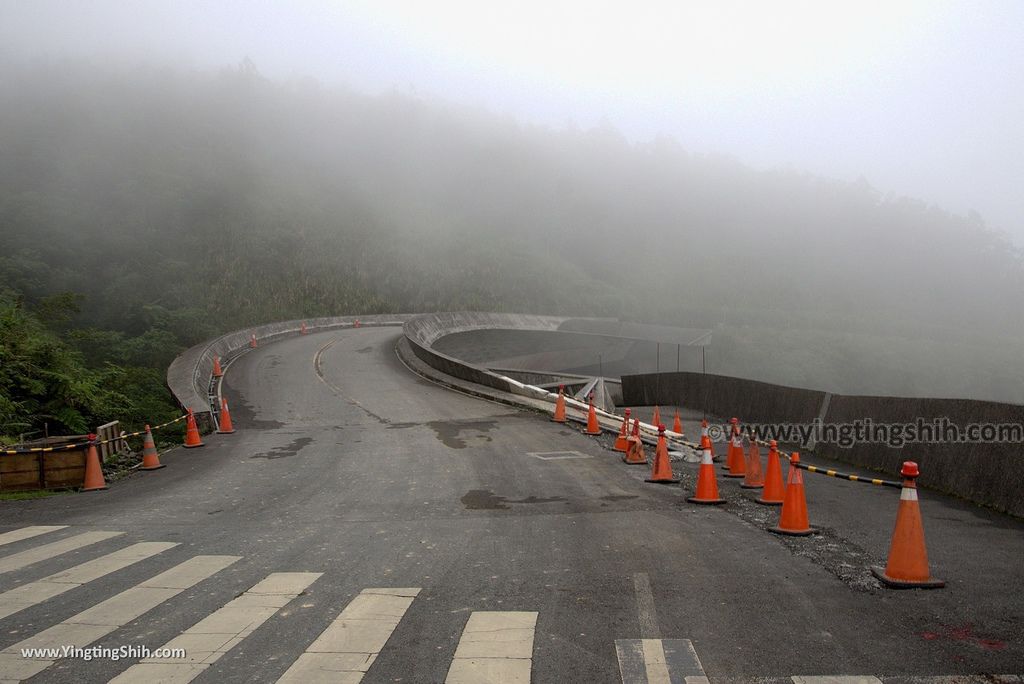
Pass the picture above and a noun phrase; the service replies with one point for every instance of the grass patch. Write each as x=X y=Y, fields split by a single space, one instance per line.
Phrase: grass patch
x=31 y=494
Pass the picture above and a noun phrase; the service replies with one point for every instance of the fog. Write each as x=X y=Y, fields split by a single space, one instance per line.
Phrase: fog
x=920 y=98
x=834 y=191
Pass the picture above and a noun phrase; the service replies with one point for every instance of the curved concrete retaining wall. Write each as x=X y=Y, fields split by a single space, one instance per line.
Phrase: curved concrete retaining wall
x=988 y=474
x=423 y=331
x=188 y=376
x=567 y=350
x=426 y=329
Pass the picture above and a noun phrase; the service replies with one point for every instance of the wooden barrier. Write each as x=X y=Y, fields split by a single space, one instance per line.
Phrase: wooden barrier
x=111 y=442
x=44 y=469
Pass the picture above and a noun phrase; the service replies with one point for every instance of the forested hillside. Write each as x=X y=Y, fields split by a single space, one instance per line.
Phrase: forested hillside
x=144 y=209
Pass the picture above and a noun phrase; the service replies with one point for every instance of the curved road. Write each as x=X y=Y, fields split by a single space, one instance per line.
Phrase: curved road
x=345 y=463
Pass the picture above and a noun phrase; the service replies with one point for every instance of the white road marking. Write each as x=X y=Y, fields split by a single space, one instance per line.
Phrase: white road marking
x=33 y=593
x=654 y=661
x=18 y=561
x=349 y=646
x=556 y=455
x=647 y=615
x=496 y=646
x=27 y=533
x=216 y=634
x=95 y=623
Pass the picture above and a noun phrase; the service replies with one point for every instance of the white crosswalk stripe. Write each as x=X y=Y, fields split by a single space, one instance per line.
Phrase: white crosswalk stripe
x=28 y=595
x=348 y=647
x=27 y=533
x=94 y=623
x=496 y=646
x=17 y=561
x=206 y=641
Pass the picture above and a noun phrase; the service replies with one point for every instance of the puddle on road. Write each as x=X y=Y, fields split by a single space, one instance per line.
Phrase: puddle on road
x=459 y=434
x=455 y=434
x=485 y=499
x=294 y=447
x=243 y=414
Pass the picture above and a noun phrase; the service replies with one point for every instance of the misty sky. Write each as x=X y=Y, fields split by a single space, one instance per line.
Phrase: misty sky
x=921 y=98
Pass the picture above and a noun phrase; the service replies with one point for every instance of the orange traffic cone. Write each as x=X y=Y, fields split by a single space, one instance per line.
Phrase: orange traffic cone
x=793 y=518
x=622 y=441
x=593 y=427
x=559 y=415
x=704 y=436
x=677 y=423
x=707 y=485
x=217 y=371
x=224 y=419
x=93 y=481
x=150 y=457
x=656 y=418
x=734 y=460
x=754 y=478
x=661 y=471
x=252 y=341
x=192 y=432
x=635 y=454
x=907 y=566
x=302 y=330
x=774 y=492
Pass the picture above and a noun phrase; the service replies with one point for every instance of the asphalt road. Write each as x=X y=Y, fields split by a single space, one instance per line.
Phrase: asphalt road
x=345 y=463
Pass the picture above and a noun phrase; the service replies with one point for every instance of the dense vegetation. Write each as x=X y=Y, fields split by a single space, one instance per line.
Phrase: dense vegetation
x=145 y=209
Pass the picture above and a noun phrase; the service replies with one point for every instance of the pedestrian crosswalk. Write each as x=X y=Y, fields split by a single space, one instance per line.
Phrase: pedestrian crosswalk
x=96 y=622
x=30 y=594
x=493 y=646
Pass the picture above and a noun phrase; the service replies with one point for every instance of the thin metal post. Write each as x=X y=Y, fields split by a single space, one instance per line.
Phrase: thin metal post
x=704 y=372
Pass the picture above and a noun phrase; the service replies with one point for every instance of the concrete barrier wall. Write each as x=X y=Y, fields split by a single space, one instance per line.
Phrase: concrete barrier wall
x=426 y=329
x=459 y=369
x=988 y=474
x=563 y=350
x=724 y=396
x=188 y=376
x=423 y=331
